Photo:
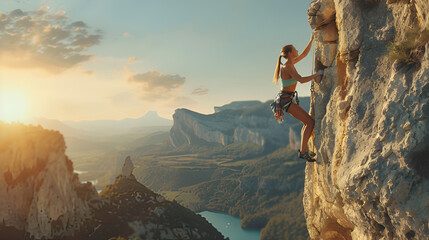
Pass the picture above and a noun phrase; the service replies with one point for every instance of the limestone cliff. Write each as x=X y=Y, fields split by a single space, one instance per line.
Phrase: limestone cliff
x=39 y=193
x=371 y=112
x=254 y=124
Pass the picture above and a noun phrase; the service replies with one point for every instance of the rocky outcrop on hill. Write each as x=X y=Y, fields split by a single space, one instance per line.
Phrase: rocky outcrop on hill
x=127 y=168
x=371 y=121
x=254 y=124
x=135 y=212
x=40 y=195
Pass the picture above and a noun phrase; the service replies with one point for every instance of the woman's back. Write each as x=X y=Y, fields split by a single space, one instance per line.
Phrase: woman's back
x=288 y=84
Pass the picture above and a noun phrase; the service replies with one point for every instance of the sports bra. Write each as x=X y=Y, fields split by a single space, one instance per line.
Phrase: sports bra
x=288 y=82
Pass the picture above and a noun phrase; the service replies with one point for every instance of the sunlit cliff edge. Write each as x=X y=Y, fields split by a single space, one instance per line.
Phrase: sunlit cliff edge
x=371 y=179
x=39 y=192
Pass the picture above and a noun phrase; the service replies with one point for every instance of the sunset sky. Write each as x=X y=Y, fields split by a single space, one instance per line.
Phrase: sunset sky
x=111 y=59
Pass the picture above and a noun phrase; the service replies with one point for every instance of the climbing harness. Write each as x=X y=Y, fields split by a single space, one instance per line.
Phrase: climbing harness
x=282 y=103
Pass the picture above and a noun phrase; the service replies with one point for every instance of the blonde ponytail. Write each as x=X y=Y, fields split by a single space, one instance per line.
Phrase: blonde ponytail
x=277 y=71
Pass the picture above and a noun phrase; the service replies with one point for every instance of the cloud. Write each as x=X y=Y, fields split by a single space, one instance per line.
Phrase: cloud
x=60 y=15
x=131 y=60
x=154 y=86
x=78 y=25
x=156 y=81
x=39 y=39
x=157 y=90
x=200 y=91
x=127 y=34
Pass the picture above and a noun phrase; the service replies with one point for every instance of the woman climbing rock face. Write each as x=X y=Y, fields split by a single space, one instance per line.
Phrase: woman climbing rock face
x=283 y=101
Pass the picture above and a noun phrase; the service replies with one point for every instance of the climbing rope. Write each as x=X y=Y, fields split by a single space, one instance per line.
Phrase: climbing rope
x=312 y=92
x=312 y=72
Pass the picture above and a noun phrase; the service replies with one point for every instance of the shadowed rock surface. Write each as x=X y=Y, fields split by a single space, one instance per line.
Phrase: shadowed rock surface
x=371 y=123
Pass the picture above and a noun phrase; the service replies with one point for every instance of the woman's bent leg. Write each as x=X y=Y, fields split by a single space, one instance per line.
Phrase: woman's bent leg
x=297 y=112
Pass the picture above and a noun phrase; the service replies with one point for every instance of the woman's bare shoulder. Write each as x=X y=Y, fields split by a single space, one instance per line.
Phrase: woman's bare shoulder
x=288 y=66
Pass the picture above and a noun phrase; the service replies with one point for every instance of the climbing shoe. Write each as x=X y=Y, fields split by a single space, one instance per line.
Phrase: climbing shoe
x=305 y=156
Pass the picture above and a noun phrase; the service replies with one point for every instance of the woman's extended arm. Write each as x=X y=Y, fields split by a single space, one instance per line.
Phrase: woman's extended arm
x=295 y=75
x=306 y=50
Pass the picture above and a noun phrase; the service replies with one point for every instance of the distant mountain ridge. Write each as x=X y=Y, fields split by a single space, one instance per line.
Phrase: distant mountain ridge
x=58 y=125
x=105 y=127
x=151 y=118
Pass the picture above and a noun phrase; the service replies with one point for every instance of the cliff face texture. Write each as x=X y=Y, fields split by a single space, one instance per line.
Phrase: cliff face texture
x=39 y=193
x=371 y=179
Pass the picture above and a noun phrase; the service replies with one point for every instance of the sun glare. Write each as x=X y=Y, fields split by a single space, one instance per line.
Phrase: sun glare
x=13 y=107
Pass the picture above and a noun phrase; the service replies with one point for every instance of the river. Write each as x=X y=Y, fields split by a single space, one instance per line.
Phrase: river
x=230 y=226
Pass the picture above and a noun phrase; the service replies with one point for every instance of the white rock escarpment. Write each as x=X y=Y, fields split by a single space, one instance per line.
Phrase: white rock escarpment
x=255 y=124
x=39 y=193
x=191 y=128
x=371 y=179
